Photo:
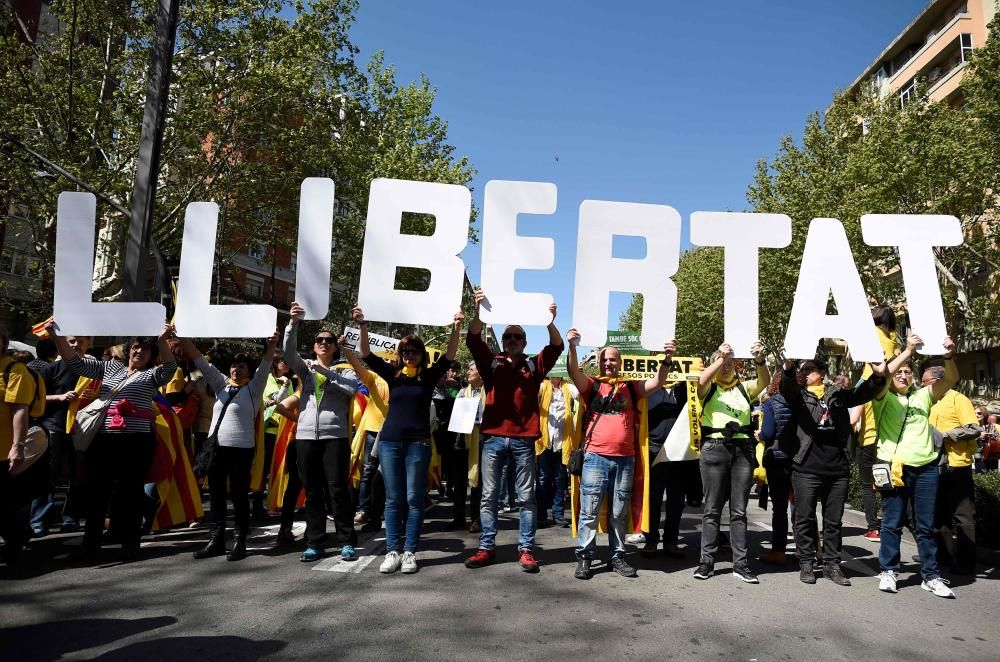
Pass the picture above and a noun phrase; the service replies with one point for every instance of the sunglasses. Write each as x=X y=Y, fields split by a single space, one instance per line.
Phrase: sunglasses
x=410 y=352
x=512 y=336
x=324 y=340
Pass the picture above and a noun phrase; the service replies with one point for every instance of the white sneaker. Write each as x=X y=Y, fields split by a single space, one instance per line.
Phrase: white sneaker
x=391 y=563
x=887 y=581
x=938 y=587
x=635 y=538
x=409 y=563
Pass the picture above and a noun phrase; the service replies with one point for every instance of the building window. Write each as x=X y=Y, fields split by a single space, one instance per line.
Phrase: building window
x=966 y=42
x=255 y=249
x=291 y=295
x=254 y=288
x=908 y=93
x=293 y=261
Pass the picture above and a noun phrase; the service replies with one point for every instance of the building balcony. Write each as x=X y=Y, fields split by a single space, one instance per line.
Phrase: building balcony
x=923 y=59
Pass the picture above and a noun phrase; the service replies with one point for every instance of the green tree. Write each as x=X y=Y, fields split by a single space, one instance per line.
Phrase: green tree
x=264 y=93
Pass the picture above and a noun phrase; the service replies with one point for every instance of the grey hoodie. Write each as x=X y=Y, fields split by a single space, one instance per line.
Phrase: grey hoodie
x=330 y=420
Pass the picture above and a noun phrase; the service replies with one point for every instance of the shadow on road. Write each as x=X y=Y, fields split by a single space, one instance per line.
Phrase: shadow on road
x=50 y=641
x=196 y=648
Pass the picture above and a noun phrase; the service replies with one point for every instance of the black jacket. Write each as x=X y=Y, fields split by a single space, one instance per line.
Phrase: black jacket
x=829 y=417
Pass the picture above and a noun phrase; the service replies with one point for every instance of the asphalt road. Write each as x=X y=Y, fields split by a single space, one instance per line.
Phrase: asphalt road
x=167 y=606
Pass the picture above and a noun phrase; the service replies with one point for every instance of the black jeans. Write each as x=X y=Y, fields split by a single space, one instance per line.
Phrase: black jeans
x=670 y=479
x=727 y=475
x=778 y=486
x=116 y=467
x=956 y=516
x=458 y=481
x=371 y=493
x=13 y=512
x=293 y=487
x=832 y=491
x=866 y=457
x=232 y=466
x=322 y=463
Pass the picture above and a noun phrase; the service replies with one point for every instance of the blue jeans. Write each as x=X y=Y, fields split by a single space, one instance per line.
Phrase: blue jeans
x=920 y=486
x=404 y=470
x=604 y=475
x=496 y=452
x=551 y=484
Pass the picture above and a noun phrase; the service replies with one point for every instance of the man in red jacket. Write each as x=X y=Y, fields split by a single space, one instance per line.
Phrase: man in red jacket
x=509 y=429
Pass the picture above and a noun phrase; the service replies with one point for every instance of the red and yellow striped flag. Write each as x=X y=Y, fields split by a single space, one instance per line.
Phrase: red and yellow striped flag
x=279 y=471
x=39 y=329
x=180 y=497
x=87 y=390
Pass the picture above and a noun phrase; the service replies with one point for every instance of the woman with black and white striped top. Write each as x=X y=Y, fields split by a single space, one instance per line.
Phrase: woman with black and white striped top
x=119 y=457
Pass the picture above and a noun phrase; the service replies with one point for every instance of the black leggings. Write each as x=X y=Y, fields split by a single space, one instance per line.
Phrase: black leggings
x=232 y=466
x=116 y=466
x=322 y=463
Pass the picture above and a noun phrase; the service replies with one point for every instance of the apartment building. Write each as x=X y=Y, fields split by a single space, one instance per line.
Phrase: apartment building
x=934 y=48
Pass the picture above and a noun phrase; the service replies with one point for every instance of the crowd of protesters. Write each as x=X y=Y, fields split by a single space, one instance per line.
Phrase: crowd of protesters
x=364 y=441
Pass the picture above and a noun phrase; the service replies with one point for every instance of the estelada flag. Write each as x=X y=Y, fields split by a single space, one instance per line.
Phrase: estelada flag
x=39 y=329
x=180 y=497
x=638 y=510
x=87 y=390
x=257 y=468
x=278 y=481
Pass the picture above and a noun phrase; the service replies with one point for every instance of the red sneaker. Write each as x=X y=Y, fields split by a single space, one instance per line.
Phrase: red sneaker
x=528 y=562
x=873 y=535
x=482 y=557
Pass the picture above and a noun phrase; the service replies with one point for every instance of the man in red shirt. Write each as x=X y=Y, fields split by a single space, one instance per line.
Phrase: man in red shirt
x=509 y=429
x=609 y=444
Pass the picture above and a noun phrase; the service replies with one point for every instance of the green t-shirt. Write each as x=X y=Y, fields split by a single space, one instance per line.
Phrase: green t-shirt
x=904 y=418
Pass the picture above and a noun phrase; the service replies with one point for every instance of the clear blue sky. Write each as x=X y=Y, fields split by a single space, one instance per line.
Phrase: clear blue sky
x=653 y=102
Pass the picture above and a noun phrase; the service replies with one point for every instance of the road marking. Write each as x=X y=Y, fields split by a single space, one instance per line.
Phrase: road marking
x=336 y=564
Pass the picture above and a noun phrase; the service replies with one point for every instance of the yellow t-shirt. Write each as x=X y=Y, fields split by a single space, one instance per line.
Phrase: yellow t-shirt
x=18 y=389
x=377 y=407
x=953 y=411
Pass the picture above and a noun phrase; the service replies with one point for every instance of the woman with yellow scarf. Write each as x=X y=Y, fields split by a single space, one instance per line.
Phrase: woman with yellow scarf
x=727 y=461
x=614 y=406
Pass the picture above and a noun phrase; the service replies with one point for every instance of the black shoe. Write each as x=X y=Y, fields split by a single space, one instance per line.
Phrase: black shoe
x=648 y=550
x=833 y=572
x=456 y=525
x=622 y=567
x=285 y=538
x=130 y=550
x=963 y=569
x=216 y=545
x=673 y=551
x=583 y=569
x=239 y=550
x=807 y=574
x=561 y=521
x=743 y=573
x=704 y=571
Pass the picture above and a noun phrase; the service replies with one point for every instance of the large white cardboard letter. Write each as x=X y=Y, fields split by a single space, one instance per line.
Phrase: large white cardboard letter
x=598 y=273
x=828 y=266
x=74 y=310
x=741 y=235
x=916 y=235
x=504 y=252
x=194 y=316
x=312 y=263
x=387 y=248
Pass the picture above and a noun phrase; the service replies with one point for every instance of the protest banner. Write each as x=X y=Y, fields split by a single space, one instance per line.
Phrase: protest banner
x=827 y=267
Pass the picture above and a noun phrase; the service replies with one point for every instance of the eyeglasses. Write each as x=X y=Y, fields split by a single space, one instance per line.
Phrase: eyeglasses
x=512 y=336
x=324 y=340
x=409 y=352
x=135 y=348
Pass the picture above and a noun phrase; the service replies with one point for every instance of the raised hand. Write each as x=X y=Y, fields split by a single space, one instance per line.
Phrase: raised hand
x=757 y=349
x=272 y=340
x=670 y=347
x=358 y=315
x=168 y=332
x=296 y=312
x=726 y=350
x=458 y=320
x=553 y=308
x=949 y=346
x=914 y=342
x=573 y=337
x=879 y=369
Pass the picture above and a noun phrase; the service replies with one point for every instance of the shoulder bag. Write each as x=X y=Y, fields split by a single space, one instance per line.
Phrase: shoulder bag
x=90 y=419
x=575 y=464
x=205 y=459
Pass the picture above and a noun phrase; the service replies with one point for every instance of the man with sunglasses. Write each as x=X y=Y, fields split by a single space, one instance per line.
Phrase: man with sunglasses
x=510 y=426
x=821 y=415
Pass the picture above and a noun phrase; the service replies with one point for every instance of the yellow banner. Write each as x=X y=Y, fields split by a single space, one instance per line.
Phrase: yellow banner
x=643 y=367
